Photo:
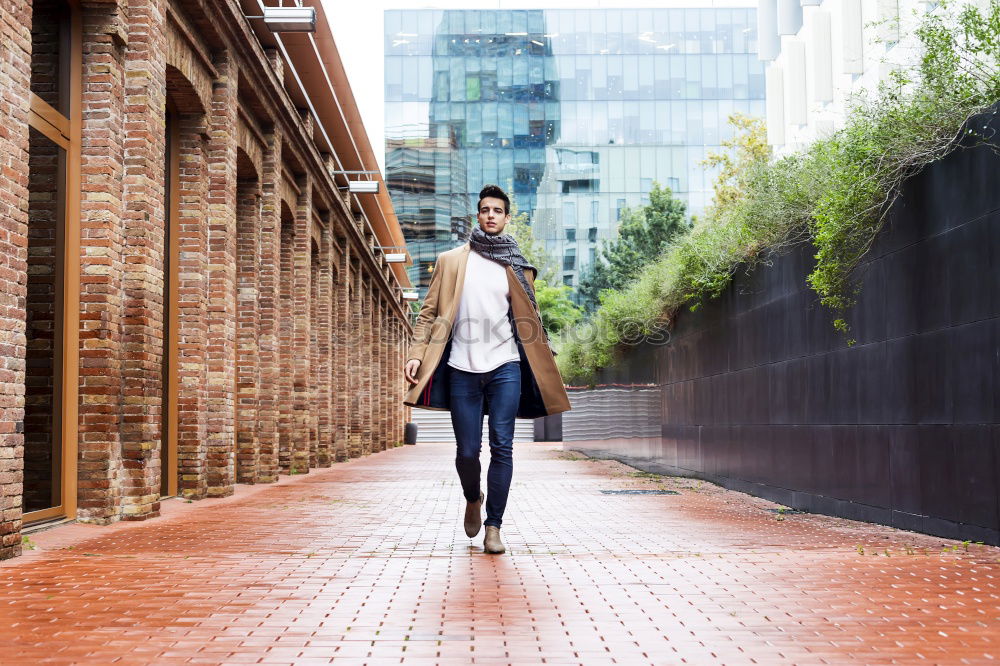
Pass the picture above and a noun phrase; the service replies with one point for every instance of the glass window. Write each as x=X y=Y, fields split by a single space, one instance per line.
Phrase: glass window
x=630 y=67
x=520 y=21
x=741 y=34
x=472 y=88
x=616 y=123
x=488 y=22
x=647 y=123
x=568 y=213
x=536 y=22
x=677 y=74
x=425 y=77
x=592 y=238
x=584 y=83
x=613 y=31
x=710 y=122
x=631 y=122
x=473 y=125
x=661 y=27
x=692 y=23
x=567 y=77
x=489 y=115
x=645 y=28
x=46 y=210
x=694 y=131
x=505 y=166
x=616 y=77
x=646 y=70
x=570 y=234
x=725 y=71
x=597 y=31
x=504 y=22
x=410 y=76
x=520 y=120
x=723 y=37
x=709 y=77
x=661 y=76
x=756 y=75
x=630 y=23
x=393 y=22
x=693 y=80
x=599 y=78
x=558 y=24
x=569 y=259
x=661 y=113
x=455 y=22
x=520 y=73
x=599 y=123
x=505 y=74
x=415 y=113
x=393 y=78
x=441 y=83
x=393 y=121
x=536 y=70
x=456 y=72
x=424 y=22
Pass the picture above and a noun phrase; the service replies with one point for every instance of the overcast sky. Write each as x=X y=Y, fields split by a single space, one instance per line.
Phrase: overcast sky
x=358 y=31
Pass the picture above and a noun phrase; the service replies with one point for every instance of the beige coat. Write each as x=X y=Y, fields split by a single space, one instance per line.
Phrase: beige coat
x=542 y=390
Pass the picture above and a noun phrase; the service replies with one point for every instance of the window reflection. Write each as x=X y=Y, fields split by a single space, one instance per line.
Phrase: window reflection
x=577 y=112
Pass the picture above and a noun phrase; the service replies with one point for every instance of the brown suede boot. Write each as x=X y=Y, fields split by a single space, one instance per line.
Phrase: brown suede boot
x=492 y=542
x=474 y=517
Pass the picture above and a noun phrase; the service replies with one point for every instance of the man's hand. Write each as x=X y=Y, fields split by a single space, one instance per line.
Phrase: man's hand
x=410 y=370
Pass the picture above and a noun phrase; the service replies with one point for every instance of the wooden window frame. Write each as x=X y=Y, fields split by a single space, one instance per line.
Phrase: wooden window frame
x=66 y=133
x=170 y=391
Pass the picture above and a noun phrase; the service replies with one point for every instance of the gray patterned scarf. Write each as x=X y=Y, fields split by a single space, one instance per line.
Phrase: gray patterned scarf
x=503 y=249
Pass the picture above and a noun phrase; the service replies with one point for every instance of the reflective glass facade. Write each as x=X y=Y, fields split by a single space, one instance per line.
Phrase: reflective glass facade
x=576 y=112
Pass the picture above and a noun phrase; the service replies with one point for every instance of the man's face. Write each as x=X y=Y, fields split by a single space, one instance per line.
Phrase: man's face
x=492 y=218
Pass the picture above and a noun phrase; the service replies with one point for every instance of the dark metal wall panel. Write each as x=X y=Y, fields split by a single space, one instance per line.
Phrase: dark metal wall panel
x=756 y=391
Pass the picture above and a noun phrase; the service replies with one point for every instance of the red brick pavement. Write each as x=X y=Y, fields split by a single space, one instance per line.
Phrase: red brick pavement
x=367 y=563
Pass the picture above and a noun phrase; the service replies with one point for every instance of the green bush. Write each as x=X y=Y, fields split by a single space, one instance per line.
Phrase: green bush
x=835 y=194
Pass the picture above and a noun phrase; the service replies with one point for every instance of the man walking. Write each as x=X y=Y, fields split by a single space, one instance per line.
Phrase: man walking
x=479 y=347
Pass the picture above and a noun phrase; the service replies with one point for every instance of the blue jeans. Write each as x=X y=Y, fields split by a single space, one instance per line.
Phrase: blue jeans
x=501 y=388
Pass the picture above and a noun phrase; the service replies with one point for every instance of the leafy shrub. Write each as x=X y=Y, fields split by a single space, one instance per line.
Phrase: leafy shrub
x=835 y=194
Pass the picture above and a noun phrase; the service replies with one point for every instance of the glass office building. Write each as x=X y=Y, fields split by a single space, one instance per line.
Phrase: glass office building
x=575 y=112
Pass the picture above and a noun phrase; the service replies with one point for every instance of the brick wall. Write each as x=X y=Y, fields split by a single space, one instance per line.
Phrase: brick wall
x=268 y=311
x=15 y=64
x=288 y=332
x=142 y=265
x=102 y=265
x=248 y=366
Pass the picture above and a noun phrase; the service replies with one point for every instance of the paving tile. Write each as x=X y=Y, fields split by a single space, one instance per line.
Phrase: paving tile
x=366 y=563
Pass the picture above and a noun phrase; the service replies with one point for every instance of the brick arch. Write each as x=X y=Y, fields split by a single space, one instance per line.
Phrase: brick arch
x=182 y=95
x=289 y=194
x=248 y=142
x=246 y=168
x=287 y=214
x=286 y=333
x=335 y=264
x=189 y=75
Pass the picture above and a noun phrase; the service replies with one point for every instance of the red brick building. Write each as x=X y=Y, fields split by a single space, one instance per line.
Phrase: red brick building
x=190 y=295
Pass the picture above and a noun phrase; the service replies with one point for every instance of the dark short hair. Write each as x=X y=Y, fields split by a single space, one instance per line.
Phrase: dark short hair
x=495 y=192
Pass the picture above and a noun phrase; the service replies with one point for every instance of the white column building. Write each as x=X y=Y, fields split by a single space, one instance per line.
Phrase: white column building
x=821 y=53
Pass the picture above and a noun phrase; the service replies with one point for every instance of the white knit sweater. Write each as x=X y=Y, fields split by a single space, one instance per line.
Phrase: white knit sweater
x=482 y=339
